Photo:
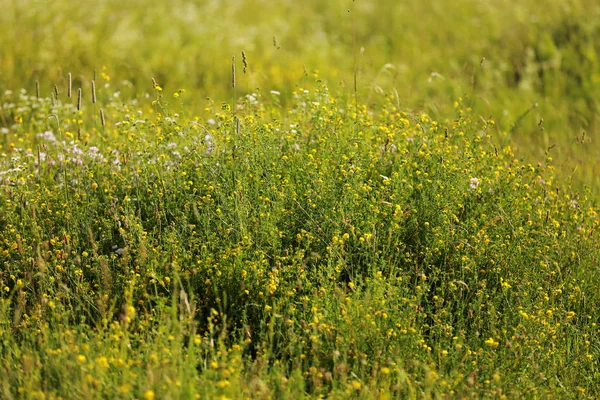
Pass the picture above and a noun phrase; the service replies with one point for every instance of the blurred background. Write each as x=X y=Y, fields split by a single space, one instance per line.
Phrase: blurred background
x=534 y=67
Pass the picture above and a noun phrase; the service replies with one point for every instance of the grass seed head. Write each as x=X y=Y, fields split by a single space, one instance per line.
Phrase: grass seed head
x=233 y=72
x=244 y=61
x=79 y=99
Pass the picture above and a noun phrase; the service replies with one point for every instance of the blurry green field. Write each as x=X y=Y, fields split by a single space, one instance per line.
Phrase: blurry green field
x=185 y=228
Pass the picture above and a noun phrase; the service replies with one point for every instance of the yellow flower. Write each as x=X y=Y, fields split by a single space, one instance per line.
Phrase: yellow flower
x=222 y=384
x=149 y=395
x=102 y=362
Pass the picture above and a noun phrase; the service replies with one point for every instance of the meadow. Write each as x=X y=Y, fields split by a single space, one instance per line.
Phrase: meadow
x=325 y=199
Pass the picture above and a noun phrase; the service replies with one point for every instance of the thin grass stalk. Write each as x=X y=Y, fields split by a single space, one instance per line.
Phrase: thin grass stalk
x=355 y=67
x=94 y=102
x=233 y=84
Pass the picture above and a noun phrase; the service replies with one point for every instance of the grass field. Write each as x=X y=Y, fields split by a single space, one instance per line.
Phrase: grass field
x=344 y=199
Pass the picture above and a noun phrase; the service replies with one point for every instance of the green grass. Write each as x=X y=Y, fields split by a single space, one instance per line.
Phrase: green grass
x=425 y=242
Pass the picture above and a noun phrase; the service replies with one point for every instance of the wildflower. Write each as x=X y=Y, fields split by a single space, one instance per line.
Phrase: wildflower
x=251 y=98
x=223 y=383
x=149 y=395
x=210 y=145
x=47 y=136
x=473 y=183
x=100 y=361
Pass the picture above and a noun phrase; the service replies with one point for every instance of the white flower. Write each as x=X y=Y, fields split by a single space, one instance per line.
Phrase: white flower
x=48 y=135
x=474 y=183
x=210 y=145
